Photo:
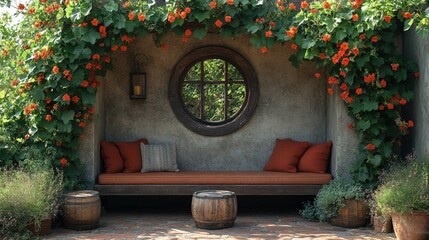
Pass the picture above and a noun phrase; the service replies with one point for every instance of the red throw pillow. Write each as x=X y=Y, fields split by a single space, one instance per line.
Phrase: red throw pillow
x=130 y=152
x=113 y=162
x=285 y=156
x=316 y=158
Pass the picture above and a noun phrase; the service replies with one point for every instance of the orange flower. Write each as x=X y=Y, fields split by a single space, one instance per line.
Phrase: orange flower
x=141 y=17
x=317 y=75
x=185 y=39
x=48 y=117
x=164 y=46
x=344 y=95
x=115 y=48
x=268 y=34
x=213 y=4
x=395 y=66
x=313 y=10
x=387 y=18
x=292 y=6
x=63 y=162
x=26 y=137
x=322 y=56
x=326 y=5
x=171 y=18
x=355 y=51
x=188 y=32
x=96 y=56
x=264 y=49
x=187 y=10
x=228 y=19
x=330 y=91
x=55 y=69
x=374 y=39
x=370 y=147
x=403 y=101
x=410 y=124
x=294 y=46
x=304 y=4
x=183 y=15
x=13 y=83
x=94 y=22
x=230 y=2
x=131 y=16
x=381 y=107
x=31 y=11
x=84 y=83
x=218 y=23
x=21 y=6
x=332 y=80
x=66 y=97
x=344 y=87
x=345 y=61
x=390 y=106
x=362 y=36
x=350 y=126
x=369 y=78
x=343 y=74
x=272 y=24
x=82 y=124
x=344 y=46
x=75 y=99
x=355 y=17
x=123 y=48
x=407 y=15
x=358 y=91
x=383 y=83
x=326 y=38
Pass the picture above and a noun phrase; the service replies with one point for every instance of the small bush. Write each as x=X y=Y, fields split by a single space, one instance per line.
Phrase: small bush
x=27 y=197
x=405 y=188
x=331 y=198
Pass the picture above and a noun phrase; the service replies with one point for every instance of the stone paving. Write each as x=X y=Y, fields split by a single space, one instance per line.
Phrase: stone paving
x=178 y=224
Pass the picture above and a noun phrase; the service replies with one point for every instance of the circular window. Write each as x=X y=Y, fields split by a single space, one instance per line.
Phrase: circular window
x=213 y=91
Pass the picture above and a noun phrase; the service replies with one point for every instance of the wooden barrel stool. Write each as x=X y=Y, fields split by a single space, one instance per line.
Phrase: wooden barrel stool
x=82 y=210
x=214 y=209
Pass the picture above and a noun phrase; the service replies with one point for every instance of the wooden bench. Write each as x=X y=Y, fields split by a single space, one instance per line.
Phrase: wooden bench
x=188 y=182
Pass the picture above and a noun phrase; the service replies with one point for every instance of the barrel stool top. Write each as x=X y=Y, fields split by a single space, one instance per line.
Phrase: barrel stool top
x=213 y=194
x=81 y=194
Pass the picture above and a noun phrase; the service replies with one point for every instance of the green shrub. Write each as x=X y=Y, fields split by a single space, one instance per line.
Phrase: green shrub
x=331 y=198
x=405 y=188
x=27 y=197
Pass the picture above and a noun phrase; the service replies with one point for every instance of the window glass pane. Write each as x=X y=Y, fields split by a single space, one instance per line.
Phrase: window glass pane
x=233 y=73
x=236 y=97
x=214 y=70
x=194 y=74
x=191 y=96
x=214 y=102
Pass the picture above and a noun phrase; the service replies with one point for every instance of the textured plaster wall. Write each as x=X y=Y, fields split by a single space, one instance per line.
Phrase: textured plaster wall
x=417 y=48
x=292 y=104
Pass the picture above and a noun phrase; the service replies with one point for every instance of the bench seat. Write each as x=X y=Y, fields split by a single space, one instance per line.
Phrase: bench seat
x=187 y=182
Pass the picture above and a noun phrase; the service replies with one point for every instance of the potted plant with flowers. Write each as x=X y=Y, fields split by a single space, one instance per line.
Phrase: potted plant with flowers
x=404 y=194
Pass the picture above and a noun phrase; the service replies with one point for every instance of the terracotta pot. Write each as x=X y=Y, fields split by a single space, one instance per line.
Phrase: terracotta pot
x=45 y=228
x=413 y=226
x=382 y=224
x=352 y=215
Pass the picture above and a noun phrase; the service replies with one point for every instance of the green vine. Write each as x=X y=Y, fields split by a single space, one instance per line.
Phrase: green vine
x=49 y=66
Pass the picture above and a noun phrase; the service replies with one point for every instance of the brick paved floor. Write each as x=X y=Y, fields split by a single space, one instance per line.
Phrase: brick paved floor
x=178 y=224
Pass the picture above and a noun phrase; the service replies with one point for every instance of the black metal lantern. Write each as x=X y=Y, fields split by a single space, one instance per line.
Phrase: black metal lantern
x=138 y=78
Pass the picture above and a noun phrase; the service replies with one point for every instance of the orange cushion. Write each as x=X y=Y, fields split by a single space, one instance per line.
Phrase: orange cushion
x=316 y=158
x=285 y=156
x=130 y=152
x=215 y=178
x=113 y=162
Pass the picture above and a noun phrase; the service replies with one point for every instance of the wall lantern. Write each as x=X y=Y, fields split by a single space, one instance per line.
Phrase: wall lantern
x=138 y=77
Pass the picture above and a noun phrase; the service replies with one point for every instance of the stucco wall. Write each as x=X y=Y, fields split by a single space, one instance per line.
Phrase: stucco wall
x=417 y=48
x=292 y=104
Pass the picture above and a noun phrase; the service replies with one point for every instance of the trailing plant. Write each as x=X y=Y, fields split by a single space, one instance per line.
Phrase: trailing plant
x=27 y=197
x=405 y=188
x=49 y=66
x=331 y=198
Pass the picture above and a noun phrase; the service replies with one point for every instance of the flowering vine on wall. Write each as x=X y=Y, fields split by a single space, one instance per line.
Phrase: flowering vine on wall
x=50 y=64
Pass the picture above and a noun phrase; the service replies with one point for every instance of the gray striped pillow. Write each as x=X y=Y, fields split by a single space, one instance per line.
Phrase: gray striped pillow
x=159 y=158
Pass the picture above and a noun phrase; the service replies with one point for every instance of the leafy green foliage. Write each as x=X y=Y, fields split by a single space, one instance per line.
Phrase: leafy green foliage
x=50 y=61
x=405 y=188
x=331 y=198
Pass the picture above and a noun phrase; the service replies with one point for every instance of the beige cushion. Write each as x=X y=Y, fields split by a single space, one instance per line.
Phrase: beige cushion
x=159 y=158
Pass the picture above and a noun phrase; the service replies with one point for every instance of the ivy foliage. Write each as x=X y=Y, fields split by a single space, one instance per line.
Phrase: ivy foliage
x=50 y=61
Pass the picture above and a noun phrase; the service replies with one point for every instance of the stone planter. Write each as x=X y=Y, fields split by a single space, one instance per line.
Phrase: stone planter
x=352 y=215
x=382 y=224
x=413 y=226
x=45 y=228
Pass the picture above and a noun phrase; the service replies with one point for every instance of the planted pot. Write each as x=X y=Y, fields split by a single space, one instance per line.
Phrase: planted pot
x=382 y=224
x=352 y=215
x=45 y=228
x=413 y=226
